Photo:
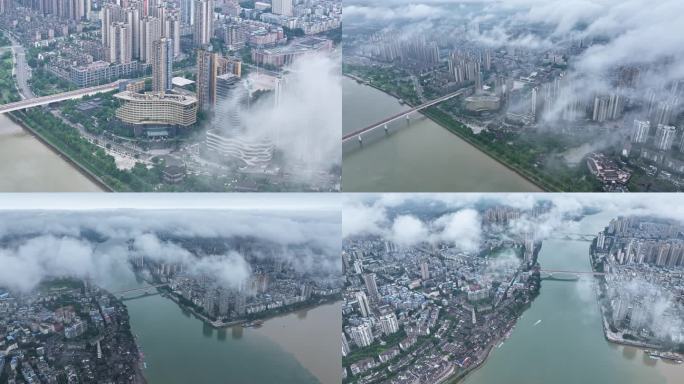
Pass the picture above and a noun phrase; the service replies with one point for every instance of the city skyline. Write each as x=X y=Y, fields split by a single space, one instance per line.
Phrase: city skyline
x=146 y=87
x=453 y=287
x=341 y=191
x=559 y=82
x=259 y=261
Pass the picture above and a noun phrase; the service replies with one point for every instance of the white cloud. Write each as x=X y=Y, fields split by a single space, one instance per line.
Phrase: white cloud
x=462 y=228
x=362 y=219
x=408 y=230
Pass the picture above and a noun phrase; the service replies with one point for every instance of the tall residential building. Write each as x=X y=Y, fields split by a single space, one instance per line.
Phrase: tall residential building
x=106 y=21
x=163 y=14
x=362 y=335
x=133 y=16
x=120 y=43
x=5 y=5
x=662 y=113
x=608 y=107
x=72 y=9
x=528 y=256
x=389 y=323
x=110 y=14
x=424 y=270
x=281 y=7
x=210 y=65
x=665 y=136
x=171 y=29
x=187 y=12
x=600 y=111
x=203 y=29
x=152 y=8
x=345 y=345
x=363 y=303
x=372 y=287
x=150 y=31
x=640 y=131
x=601 y=240
x=162 y=65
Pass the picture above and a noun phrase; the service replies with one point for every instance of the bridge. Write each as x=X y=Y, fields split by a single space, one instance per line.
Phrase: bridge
x=139 y=289
x=565 y=275
x=572 y=272
x=384 y=122
x=44 y=100
x=575 y=236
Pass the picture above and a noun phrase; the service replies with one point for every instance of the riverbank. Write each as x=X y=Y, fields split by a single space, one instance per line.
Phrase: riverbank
x=282 y=329
x=614 y=337
x=440 y=118
x=369 y=84
x=281 y=348
x=431 y=113
x=216 y=324
x=505 y=335
x=63 y=155
x=490 y=347
x=463 y=374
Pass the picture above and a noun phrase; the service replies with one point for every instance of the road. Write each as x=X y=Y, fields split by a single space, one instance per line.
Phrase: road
x=69 y=95
x=21 y=68
x=418 y=88
x=111 y=147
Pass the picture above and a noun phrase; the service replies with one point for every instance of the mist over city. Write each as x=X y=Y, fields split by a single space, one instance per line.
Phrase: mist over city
x=307 y=111
x=586 y=92
x=341 y=191
x=95 y=245
x=92 y=271
x=490 y=274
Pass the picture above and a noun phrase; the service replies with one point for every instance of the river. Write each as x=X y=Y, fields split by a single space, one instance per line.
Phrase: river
x=420 y=157
x=568 y=345
x=28 y=165
x=301 y=347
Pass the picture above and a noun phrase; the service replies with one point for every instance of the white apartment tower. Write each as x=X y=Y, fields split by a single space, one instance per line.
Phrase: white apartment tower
x=282 y=7
x=204 y=22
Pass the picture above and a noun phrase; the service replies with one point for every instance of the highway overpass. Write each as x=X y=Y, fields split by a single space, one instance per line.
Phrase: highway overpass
x=44 y=100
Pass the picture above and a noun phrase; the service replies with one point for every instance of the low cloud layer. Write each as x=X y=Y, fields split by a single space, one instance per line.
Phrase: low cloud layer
x=462 y=227
x=502 y=264
x=35 y=246
x=408 y=230
x=370 y=214
x=361 y=217
x=633 y=33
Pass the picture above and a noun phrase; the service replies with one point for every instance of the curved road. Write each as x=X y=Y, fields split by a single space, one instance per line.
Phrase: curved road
x=21 y=68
